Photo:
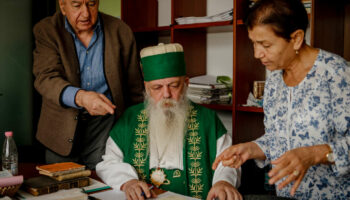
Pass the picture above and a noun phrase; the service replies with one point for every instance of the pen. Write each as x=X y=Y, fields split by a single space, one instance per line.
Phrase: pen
x=92 y=198
x=143 y=193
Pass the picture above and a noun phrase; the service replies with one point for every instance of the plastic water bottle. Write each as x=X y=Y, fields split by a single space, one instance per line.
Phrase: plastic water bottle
x=10 y=154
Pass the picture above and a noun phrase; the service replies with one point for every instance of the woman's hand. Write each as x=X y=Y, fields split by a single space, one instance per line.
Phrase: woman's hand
x=236 y=155
x=294 y=164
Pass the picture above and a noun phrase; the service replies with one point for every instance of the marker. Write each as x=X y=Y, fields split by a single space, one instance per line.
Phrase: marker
x=150 y=188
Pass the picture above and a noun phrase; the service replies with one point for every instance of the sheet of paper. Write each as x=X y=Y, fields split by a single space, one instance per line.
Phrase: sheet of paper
x=109 y=195
x=117 y=194
x=74 y=193
x=173 y=196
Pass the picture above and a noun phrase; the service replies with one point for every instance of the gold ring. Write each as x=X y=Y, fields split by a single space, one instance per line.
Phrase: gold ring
x=296 y=172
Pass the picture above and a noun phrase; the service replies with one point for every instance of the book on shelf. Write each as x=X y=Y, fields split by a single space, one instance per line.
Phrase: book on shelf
x=223 y=16
x=78 y=174
x=57 y=169
x=206 y=86
x=202 y=99
x=205 y=82
x=45 y=185
x=209 y=89
x=203 y=91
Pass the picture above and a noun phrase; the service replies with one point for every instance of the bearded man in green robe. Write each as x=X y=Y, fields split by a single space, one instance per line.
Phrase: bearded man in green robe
x=168 y=141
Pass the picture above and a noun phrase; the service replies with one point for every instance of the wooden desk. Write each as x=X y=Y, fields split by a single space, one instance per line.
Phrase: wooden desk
x=28 y=170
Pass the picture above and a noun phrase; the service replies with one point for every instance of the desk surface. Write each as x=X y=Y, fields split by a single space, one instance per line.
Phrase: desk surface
x=28 y=170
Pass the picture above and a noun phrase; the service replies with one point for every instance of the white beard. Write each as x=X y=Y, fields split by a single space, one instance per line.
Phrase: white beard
x=166 y=127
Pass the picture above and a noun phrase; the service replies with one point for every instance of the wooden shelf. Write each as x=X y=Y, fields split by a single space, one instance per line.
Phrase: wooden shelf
x=184 y=26
x=240 y=22
x=250 y=109
x=218 y=106
x=152 y=29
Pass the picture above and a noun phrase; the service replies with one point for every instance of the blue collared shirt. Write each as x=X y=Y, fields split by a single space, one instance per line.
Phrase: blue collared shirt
x=92 y=76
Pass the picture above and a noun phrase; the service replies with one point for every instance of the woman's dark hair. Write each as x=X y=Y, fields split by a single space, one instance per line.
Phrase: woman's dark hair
x=284 y=16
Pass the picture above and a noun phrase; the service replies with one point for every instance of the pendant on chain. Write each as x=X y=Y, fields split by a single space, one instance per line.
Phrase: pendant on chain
x=158 y=177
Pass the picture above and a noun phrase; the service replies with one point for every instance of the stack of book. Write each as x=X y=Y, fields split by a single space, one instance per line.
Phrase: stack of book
x=57 y=176
x=307 y=5
x=206 y=90
x=9 y=184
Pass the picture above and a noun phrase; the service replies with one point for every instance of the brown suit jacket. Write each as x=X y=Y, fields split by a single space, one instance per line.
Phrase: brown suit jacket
x=56 y=66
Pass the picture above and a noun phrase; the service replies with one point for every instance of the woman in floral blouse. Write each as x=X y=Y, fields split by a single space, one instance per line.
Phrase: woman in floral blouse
x=306 y=108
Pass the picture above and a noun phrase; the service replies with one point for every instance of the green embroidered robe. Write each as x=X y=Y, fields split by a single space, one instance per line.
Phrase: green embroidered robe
x=203 y=129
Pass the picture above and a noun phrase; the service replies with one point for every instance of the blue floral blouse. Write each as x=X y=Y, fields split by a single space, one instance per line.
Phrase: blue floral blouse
x=316 y=111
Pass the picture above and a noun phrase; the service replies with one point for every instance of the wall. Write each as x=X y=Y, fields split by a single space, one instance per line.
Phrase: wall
x=15 y=70
x=111 y=7
x=220 y=52
x=219 y=45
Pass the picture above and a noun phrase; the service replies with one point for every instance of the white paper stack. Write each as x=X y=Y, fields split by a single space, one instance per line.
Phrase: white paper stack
x=205 y=90
x=224 y=16
x=307 y=5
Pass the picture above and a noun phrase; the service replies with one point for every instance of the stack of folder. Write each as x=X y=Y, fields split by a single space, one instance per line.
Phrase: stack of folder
x=307 y=5
x=224 y=16
x=206 y=90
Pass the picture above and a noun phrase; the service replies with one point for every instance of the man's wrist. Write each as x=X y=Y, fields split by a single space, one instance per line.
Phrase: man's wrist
x=68 y=96
x=78 y=98
x=122 y=187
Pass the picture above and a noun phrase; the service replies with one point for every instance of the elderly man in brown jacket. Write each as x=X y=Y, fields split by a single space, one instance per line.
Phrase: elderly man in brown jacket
x=86 y=69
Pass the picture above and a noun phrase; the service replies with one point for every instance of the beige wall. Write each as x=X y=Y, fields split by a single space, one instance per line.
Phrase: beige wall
x=111 y=7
